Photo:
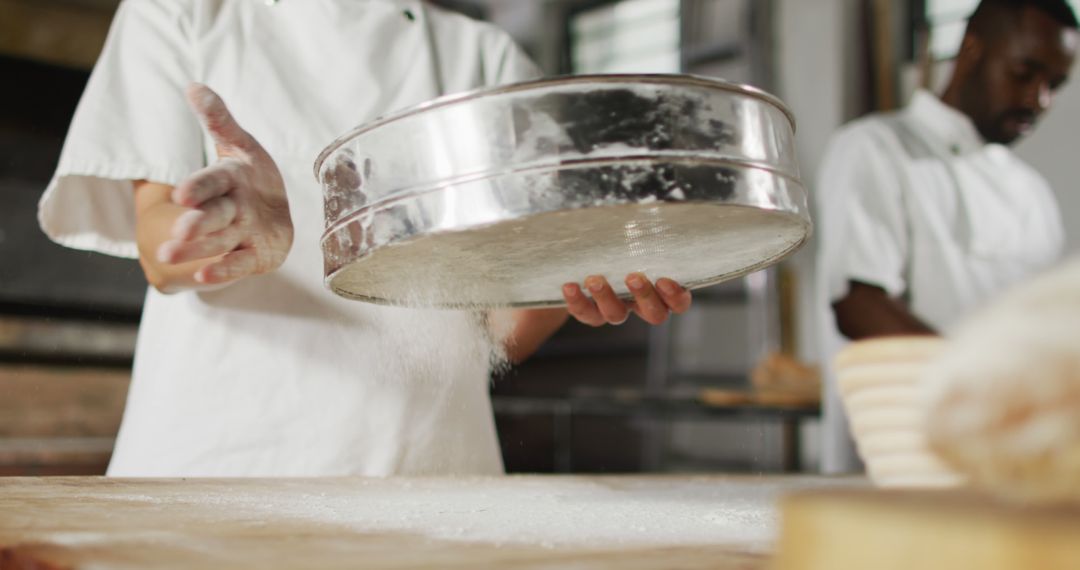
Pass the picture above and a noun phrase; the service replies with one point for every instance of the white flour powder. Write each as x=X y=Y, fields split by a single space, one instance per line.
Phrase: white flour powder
x=547 y=511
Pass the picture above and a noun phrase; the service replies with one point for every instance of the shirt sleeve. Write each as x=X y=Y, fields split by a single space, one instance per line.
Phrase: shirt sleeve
x=505 y=61
x=861 y=214
x=131 y=123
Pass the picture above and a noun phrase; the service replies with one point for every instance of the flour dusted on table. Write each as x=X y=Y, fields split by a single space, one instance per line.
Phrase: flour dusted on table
x=553 y=512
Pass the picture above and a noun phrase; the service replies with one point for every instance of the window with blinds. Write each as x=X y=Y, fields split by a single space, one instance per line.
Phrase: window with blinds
x=631 y=36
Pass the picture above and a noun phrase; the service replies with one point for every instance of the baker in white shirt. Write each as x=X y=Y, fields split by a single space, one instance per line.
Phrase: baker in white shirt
x=925 y=214
x=245 y=364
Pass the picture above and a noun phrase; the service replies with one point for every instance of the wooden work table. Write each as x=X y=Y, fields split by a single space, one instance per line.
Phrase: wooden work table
x=506 y=522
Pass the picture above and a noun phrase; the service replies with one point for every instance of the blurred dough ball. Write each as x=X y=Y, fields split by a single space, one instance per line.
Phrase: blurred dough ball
x=1004 y=396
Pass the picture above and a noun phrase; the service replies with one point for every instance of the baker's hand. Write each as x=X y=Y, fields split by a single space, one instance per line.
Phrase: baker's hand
x=239 y=210
x=652 y=303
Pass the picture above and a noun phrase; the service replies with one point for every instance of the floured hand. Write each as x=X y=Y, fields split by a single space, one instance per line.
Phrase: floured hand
x=1004 y=404
x=654 y=304
x=239 y=209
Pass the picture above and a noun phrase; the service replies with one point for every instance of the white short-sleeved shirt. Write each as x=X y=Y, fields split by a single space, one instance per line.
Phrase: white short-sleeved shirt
x=916 y=203
x=274 y=375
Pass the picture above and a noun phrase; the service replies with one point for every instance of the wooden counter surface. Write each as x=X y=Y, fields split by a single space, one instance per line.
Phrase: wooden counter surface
x=505 y=522
x=947 y=529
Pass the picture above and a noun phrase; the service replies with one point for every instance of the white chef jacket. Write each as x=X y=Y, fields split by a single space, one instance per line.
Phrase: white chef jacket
x=274 y=375
x=916 y=203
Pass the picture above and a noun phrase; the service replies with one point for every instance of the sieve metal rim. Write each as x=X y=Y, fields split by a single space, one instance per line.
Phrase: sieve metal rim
x=542 y=166
x=653 y=78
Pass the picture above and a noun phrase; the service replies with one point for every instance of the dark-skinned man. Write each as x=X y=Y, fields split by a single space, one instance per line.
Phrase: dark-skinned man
x=926 y=214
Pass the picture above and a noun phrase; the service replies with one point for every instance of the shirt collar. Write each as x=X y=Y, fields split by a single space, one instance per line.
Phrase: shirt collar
x=953 y=128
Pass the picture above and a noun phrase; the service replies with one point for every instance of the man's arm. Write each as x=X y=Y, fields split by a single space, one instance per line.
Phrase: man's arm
x=868 y=311
x=531 y=328
x=155 y=217
x=227 y=221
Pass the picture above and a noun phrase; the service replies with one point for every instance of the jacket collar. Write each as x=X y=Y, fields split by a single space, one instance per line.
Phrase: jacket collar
x=951 y=127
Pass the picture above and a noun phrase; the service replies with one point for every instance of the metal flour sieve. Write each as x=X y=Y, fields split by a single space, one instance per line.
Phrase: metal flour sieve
x=498 y=197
